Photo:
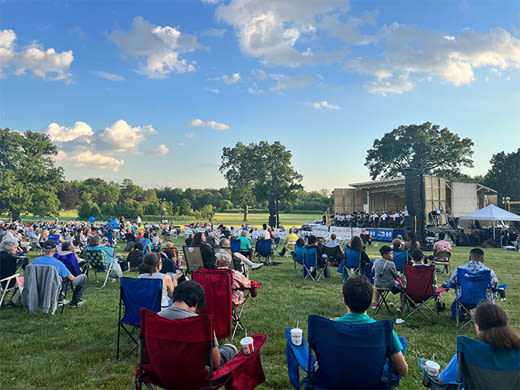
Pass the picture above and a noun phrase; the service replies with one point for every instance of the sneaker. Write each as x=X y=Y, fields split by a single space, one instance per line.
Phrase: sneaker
x=374 y=306
x=78 y=303
x=63 y=302
x=256 y=266
x=400 y=309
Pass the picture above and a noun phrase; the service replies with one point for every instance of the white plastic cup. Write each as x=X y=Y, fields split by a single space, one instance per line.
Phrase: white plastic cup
x=247 y=345
x=296 y=336
x=432 y=368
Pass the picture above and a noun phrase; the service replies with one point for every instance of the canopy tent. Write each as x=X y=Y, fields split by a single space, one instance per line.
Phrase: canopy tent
x=491 y=213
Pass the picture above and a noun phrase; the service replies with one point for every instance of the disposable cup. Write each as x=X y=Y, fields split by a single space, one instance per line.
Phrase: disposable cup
x=296 y=336
x=247 y=345
x=432 y=368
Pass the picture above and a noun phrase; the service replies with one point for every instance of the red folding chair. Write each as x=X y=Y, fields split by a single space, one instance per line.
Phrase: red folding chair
x=175 y=354
x=219 y=304
x=419 y=290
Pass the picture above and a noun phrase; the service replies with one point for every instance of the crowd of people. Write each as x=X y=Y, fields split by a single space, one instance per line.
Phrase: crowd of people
x=378 y=219
x=153 y=255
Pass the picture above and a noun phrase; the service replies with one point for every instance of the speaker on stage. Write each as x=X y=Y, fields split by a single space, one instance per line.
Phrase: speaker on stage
x=415 y=203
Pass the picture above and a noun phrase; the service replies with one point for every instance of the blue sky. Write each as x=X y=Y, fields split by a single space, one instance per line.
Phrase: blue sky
x=153 y=90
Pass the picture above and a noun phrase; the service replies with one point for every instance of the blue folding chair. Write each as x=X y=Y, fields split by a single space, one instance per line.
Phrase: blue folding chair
x=297 y=255
x=473 y=288
x=310 y=264
x=263 y=249
x=350 y=265
x=400 y=259
x=134 y=295
x=343 y=356
x=235 y=245
x=482 y=367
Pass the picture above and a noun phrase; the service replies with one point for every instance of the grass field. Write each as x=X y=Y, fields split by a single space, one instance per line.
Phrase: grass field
x=76 y=349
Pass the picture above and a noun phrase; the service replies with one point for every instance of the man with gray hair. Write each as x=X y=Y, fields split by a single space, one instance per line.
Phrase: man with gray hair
x=78 y=283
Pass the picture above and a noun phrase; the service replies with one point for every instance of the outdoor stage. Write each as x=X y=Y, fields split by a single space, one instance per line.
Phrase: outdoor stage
x=346 y=233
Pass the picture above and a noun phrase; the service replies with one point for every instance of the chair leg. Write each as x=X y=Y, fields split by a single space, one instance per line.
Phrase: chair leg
x=108 y=273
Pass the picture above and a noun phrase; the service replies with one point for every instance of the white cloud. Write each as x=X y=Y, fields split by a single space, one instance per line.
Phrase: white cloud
x=180 y=145
x=61 y=134
x=211 y=124
x=255 y=91
x=386 y=86
x=121 y=137
x=324 y=105
x=46 y=64
x=275 y=30
x=283 y=82
x=215 y=32
x=189 y=135
x=88 y=159
x=214 y=90
x=160 y=150
x=212 y=1
x=259 y=74
x=110 y=76
x=232 y=78
x=161 y=46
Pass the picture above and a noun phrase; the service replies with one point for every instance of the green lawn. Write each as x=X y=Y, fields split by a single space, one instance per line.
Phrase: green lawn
x=77 y=349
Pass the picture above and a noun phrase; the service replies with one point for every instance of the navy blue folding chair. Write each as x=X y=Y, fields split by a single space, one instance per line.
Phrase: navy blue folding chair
x=344 y=356
x=135 y=294
x=297 y=255
x=263 y=249
x=400 y=259
x=482 y=367
x=310 y=264
x=472 y=288
x=350 y=265
x=235 y=245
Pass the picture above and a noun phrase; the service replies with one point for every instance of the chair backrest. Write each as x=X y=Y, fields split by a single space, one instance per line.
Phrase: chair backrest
x=264 y=247
x=55 y=238
x=193 y=258
x=70 y=262
x=138 y=293
x=473 y=286
x=332 y=252
x=419 y=282
x=310 y=256
x=217 y=286
x=235 y=245
x=352 y=258
x=299 y=252
x=442 y=256
x=400 y=259
x=168 y=265
x=177 y=351
x=349 y=356
x=42 y=285
x=96 y=259
x=483 y=367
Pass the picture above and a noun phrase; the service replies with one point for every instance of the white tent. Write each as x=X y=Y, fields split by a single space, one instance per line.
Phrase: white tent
x=491 y=213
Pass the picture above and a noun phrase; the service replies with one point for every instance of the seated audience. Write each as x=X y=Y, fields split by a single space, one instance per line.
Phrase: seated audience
x=68 y=256
x=491 y=326
x=8 y=260
x=135 y=256
x=397 y=245
x=188 y=299
x=357 y=245
x=240 y=281
x=208 y=257
x=245 y=245
x=384 y=272
x=225 y=243
x=357 y=295
x=365 y=236
x=441 y=245
x=312 y=241
x=150 y=268
x=291 y=237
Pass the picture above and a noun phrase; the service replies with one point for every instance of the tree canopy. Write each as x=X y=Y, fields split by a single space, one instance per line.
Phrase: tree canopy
x=28 y=176
x=504 y=175
x=426 y=147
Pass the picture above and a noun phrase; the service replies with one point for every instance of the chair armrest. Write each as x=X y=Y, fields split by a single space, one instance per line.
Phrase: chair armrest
x=10 y=277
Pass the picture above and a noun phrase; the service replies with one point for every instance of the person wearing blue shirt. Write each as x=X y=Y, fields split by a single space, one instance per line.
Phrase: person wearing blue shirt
x=78 y=283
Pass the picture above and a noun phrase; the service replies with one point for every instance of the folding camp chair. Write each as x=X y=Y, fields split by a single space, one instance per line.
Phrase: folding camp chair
x=310 y=264
x=235 y=264
x=10 y=283
x=483 y=367
x=297 y=255
x=442 y=258
x=96 y=260
x=235 y=245
x=219 y=301
x=42 y=287
x=135 y=294
x=177 y=354
x=343 y=356
x=289 y=247
x=193 y=258
x=383 y=294
x=472 y=288
x=400 y=259
x=264 y=249
x=351 y=264
x=419 y=290
x=334 y=255
x=70 y=262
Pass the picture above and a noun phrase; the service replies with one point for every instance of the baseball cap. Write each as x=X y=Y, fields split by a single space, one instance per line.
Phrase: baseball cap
x=49 y=244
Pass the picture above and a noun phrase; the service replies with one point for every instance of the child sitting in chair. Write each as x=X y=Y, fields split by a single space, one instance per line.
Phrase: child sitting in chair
x=384 y=272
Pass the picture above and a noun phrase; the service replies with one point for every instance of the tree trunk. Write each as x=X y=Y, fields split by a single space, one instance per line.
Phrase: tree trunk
x=246 y=210
x=15 y=215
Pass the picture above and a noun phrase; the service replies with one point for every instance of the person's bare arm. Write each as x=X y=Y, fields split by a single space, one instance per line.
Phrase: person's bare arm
x=70 y=277
x=400 y=365
x=216 y=358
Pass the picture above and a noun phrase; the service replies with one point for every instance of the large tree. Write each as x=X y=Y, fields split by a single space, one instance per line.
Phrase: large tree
x=28 y=176
x=504 y=175
x=426 y=147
